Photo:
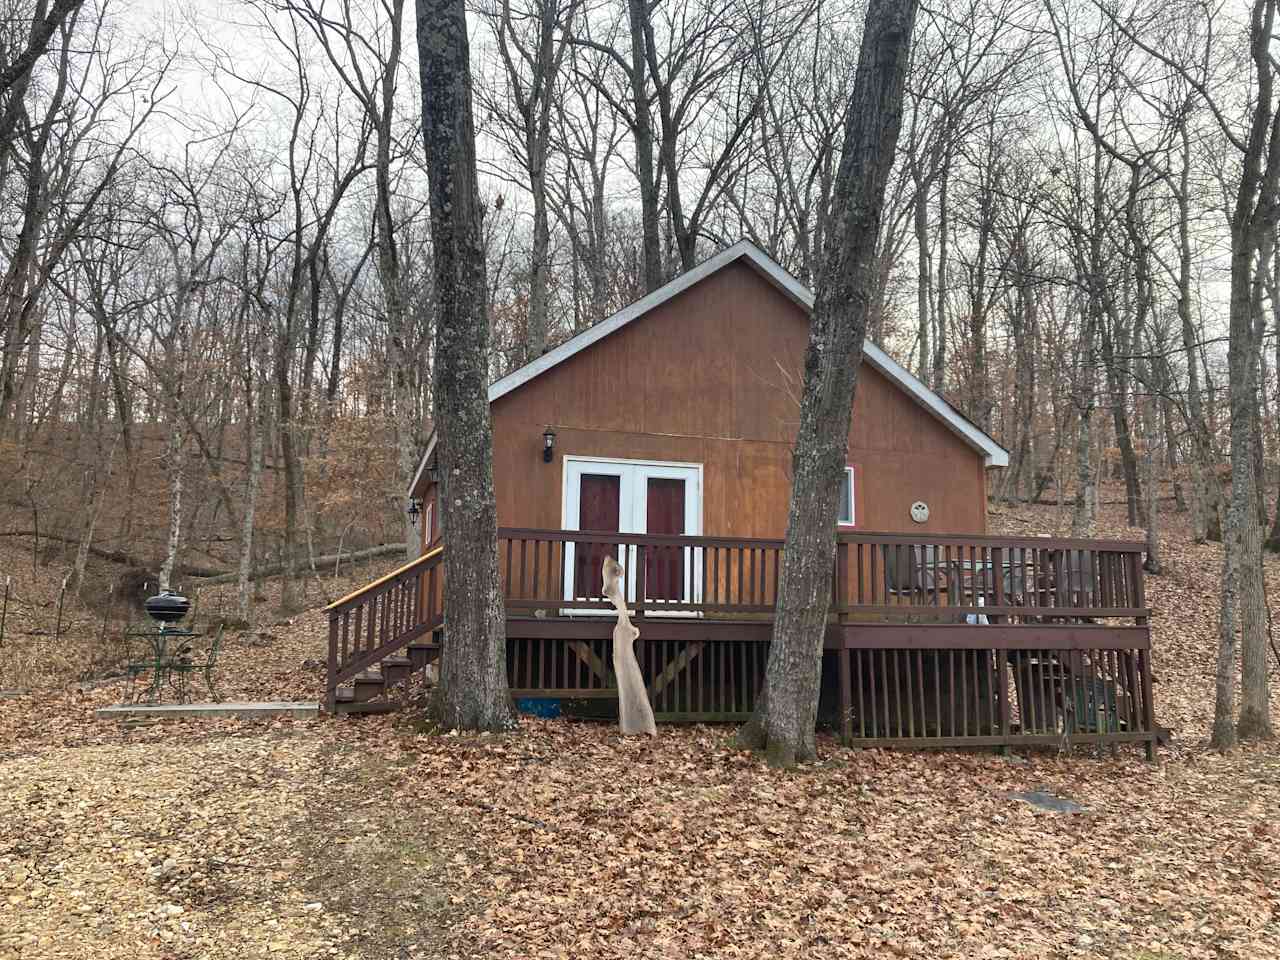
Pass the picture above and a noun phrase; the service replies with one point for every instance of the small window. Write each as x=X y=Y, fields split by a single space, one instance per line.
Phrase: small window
x=846 y=498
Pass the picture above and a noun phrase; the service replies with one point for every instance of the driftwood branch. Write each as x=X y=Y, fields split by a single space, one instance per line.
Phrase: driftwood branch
x=635 y=715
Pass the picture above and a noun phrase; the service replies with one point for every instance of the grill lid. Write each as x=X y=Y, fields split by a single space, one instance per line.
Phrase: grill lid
x=167 y=607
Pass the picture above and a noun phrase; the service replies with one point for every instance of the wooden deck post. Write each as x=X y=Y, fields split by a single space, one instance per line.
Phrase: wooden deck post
x=1144 y=656
x=997 y=577
x=331 y=677
x=846 y=695
x=642 y=580
x=1002 y=695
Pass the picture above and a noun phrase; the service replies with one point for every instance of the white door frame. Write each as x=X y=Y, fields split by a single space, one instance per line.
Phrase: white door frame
x=632 y=514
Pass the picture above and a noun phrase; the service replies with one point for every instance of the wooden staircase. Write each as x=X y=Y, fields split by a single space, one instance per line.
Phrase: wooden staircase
x=384 y=636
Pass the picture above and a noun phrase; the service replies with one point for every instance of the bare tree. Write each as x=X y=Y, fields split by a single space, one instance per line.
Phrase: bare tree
x=63 y=176
x=782 y=197
x=588 y=135
x=532 y=41
x=45 y=22
x=1253 y=215
x=364 y=47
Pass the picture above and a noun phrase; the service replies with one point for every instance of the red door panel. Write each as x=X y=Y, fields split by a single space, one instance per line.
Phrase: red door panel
x=664 y=566
x=600 y=499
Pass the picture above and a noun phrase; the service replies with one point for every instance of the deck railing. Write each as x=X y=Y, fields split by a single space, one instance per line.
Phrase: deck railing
x=939 y=578
x=933 y=640
x=942 y=640
x=1052 y=686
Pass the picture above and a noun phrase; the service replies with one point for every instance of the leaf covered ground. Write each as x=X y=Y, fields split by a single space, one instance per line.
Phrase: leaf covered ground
x=373 y=838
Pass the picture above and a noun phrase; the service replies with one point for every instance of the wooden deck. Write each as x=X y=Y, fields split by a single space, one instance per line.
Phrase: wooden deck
x=948 y=641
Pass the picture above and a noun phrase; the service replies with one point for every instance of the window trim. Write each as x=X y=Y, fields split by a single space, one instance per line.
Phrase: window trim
x=852 y=472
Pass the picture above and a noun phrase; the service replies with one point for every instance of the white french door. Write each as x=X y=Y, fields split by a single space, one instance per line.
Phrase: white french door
x=633 y=496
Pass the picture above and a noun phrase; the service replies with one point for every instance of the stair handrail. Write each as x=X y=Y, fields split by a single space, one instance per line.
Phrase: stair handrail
x=344 y=602
x=419 y=620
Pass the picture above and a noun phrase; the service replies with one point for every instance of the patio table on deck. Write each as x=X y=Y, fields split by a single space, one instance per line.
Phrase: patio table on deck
x=1028 y=577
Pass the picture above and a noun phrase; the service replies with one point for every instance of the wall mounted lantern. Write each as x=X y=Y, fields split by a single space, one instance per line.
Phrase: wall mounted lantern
x=548 y=444
x=415 y=509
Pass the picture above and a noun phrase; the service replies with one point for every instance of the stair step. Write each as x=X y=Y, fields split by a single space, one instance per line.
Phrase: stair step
x=367 y=706
x=422 y=653
x=395 y=669
x=366 y=686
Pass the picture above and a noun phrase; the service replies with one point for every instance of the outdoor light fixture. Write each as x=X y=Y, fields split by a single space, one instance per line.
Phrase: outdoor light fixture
x=415 y=508
x=548 y=444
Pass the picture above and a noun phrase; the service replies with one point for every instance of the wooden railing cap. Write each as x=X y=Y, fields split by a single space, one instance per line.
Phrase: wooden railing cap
x=860 y=536
x=395 y=574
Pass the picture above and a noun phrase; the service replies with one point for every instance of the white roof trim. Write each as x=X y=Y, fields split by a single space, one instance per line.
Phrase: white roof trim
x=994 y=455
x=422 y=464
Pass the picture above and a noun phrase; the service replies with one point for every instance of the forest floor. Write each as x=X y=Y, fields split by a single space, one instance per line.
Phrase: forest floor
x=373 y=838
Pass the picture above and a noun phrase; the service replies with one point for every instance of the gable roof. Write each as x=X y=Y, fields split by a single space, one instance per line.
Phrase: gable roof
x=993 y=454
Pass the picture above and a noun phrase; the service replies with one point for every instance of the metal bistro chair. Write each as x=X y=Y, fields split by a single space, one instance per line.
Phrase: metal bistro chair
x=139 y=660
x=189 y=663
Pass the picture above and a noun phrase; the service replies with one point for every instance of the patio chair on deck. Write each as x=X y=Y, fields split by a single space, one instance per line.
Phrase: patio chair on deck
x=910 y=574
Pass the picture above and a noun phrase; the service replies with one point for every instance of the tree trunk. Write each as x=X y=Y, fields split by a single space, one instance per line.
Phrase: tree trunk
x=924 y=276
x=1206 y=491
x=1272 y=272
x=1118 y=388
x=256 y=381
x=1082 y=511
x=539 y=269
x=1153 y=564
x=940 y=312
x=260 y=571
x=473 y=692
x=783 y=725
x=1244 y=535
x=642 y=131
x=176 y=463
x=293 y=491
x=95 y=494
x=1254 y=214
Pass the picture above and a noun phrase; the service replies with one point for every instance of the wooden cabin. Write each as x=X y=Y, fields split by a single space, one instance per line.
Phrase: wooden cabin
x=663 y=435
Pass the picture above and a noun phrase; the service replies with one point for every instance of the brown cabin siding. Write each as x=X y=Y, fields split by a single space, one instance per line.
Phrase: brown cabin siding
x=701 y=379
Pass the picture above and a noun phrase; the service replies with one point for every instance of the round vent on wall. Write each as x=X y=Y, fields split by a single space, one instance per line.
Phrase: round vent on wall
x=919 y=511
